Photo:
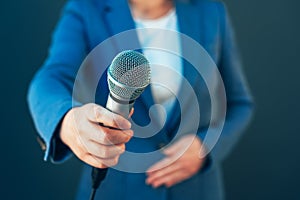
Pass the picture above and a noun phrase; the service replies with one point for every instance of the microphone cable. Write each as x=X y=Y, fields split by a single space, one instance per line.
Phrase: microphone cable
x=98 y=176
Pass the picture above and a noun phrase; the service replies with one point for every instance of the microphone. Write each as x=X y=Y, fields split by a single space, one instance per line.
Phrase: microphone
x=127 y=76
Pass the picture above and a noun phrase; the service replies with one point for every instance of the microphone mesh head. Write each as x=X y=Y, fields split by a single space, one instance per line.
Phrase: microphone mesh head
x=128 y=75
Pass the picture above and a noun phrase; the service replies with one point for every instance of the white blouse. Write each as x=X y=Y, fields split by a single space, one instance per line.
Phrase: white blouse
x=151 y=33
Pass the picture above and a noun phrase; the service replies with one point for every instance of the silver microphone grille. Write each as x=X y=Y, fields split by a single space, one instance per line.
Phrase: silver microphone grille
x=128 y=75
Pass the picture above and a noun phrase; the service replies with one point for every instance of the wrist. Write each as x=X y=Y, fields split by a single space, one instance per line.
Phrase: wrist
x=66 y=127
x=60 y=150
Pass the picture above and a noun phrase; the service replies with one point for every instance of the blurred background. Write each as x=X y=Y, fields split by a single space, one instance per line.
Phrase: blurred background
x=264 y=165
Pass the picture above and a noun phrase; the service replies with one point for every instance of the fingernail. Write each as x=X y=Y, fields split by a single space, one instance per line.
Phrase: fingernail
x=128 y=125
x=124 y=125
x=129 y=133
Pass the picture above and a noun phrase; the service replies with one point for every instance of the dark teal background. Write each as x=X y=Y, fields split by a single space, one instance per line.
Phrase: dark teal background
x=266 y=162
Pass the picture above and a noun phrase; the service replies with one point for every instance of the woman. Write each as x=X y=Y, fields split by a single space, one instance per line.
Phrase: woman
x=84 y=25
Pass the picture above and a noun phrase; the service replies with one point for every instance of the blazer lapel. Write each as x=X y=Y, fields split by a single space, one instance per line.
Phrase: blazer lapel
x=190 y=25
x=118 y=19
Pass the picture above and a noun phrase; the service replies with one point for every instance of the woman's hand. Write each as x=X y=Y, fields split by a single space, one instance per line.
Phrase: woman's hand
x=95 y=145
x=183 y=160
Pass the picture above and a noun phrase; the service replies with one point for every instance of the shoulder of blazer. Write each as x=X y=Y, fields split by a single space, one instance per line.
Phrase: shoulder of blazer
x=83 y=7
x=90 y=14
x=212 y=14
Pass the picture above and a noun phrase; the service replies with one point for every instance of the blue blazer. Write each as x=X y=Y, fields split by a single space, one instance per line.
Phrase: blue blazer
x=85 y=24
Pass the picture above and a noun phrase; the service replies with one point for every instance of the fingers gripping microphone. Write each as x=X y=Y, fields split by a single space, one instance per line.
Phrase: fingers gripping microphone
x=128 y=76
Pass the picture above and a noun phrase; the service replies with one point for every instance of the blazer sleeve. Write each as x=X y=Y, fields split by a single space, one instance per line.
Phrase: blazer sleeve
x=239 y=100
x=50 y=92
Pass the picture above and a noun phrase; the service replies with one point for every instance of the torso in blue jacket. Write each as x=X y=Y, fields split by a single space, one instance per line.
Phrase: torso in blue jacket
x=84 y=25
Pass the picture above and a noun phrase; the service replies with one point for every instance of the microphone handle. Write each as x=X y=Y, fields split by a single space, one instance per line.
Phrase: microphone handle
x=118 y=107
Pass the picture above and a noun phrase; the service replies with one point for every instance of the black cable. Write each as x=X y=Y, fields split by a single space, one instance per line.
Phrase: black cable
x=93 y=193
x=97 y=177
